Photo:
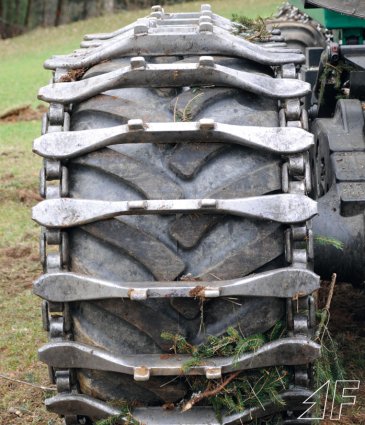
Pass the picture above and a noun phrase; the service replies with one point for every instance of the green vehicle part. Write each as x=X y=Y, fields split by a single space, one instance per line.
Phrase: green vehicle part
x=348 y=23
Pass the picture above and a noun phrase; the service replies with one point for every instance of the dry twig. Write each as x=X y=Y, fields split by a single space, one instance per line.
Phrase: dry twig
x=41 y=387
x=209 y=393
x=326 y=309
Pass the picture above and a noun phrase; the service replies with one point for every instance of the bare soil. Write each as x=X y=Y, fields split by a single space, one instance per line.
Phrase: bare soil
x=23 y=113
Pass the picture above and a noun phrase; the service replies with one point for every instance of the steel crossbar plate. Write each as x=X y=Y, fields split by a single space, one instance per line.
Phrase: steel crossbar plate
x=84 y=405
x=152 y=23
x=174 y=75
x=153 y=43
x=68 y=144
x=68 y=212
x=74 y=355
x=280 y=283
x=165 y=19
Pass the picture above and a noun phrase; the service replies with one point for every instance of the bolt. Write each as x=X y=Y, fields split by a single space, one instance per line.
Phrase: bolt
x=141 y=29
x=276 y=31
x=157 y=15
x=206 y=123
x=204 y=7
x=138 y=62
x=156 y=8
x=205 y=18
x=205 y=27
x=135 y=125
x=207 y=61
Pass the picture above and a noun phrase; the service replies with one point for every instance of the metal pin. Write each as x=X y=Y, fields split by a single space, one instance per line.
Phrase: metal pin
x=141 y=29
x=205 y=18
x=205 y=27
x=141 y=374
x=211 y=292
x=205 y=6
x=135 y=124
x=138 y=62
x=206 y=124
x=206 y=60
x=156 y=8
x=208 y=203
x=157 y=15
x=137 y=205
x=213 y=372
x=138 y=294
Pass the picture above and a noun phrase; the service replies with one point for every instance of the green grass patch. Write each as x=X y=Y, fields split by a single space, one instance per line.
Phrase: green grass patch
x=19 y=170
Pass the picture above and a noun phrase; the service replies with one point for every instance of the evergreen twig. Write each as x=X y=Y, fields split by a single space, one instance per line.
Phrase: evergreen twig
x=325 y=240
x=250 y=29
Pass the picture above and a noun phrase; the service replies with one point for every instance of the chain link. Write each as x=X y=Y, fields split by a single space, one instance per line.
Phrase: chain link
x=296 y=178
x=54 y=247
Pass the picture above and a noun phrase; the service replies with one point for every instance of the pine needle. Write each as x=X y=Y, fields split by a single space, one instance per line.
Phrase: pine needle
x=325 y=240
x=250 y=29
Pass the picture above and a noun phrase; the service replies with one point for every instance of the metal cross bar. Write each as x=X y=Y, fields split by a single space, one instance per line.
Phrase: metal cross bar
x=67 y=212
x=203 y=73
x=146 y=40
x=95 y=40
x=69 y=144
x=84 y=405
x=161 y=16
x=284 y=351
x=280 y=283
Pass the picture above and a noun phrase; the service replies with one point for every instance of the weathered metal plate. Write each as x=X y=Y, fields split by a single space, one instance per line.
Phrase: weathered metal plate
x=72 y=404
x=218 y=42
x=285 y=351
x=280 y=283
x=204 y=73
x=67 y=144
x=68 y=212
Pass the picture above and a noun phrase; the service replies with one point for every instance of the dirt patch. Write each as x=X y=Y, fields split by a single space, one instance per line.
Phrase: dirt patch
x=28 y=196
x=24 y=405
x=19 y=266
x=17 y=252
x=23 y=113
